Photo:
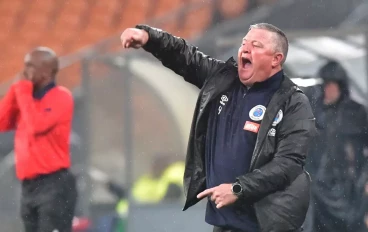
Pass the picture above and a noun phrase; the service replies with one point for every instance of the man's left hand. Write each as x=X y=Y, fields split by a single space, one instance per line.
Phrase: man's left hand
x=221 y=195
x=22 y=76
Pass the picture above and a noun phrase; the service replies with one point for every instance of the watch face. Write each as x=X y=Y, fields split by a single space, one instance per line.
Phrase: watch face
x=237 y=188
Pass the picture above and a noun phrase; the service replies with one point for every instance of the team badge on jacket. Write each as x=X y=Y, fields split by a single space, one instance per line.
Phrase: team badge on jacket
x=278 y=118
x=257 y=113
x=272 y=132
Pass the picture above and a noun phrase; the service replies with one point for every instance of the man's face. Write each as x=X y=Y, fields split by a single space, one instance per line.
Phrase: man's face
x=332 y=93
x=257 y=58
x=34 y=68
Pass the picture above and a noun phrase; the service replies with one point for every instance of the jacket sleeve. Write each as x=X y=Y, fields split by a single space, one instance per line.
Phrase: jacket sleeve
x=8 y=111
x=363 y=121
x=294 y=135
x=40 y=120
x=176 y=54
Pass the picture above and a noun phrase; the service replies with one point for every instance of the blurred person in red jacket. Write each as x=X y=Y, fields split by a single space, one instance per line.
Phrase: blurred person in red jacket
x=41 y=113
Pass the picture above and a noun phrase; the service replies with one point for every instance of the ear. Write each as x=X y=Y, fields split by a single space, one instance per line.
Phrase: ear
x=277 y=59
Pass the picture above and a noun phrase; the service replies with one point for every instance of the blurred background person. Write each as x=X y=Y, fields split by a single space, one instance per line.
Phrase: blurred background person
x=163 y=183
x=41 y=113
x=337 y=158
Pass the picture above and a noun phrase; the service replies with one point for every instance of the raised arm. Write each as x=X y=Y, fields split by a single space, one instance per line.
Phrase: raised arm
x=174 y=53
x=8 y=111
x=40 y=120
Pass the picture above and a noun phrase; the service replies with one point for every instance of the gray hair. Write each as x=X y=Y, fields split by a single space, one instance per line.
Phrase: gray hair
x=282 y=43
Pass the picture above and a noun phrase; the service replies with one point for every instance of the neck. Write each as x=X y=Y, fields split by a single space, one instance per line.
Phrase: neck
x=272 y=73
x=275 y=70
x=42 y=85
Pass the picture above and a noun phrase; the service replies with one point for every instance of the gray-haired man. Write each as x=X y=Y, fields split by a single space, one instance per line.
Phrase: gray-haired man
x=250 y=132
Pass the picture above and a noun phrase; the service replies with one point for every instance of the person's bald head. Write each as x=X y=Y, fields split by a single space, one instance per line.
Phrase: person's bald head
x=41 y=66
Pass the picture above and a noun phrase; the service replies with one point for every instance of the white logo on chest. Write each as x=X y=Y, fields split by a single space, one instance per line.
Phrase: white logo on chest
x=223 y=101
x=272 y=132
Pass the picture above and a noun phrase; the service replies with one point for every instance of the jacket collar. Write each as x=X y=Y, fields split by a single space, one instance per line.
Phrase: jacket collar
x=42 y=92
x=272 y=82
x=232 y=61
x=216 y=86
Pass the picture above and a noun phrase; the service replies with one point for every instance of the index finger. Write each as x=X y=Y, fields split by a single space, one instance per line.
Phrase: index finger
x=124 y=40
x=205 y=193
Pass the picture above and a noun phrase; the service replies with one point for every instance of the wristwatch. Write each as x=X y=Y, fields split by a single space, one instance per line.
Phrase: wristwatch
x=236 y=189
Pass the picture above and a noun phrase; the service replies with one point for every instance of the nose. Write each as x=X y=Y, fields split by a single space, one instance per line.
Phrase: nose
x=245 y=47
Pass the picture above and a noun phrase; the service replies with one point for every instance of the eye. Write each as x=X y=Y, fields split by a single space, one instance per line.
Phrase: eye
x=257 y=44
x=29 y=65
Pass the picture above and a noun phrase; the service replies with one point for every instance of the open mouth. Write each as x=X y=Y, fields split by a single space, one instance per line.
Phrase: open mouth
x=246 y=62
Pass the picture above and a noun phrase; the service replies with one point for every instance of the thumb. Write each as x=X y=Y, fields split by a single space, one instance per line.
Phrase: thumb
x=137 y=37
x=141 y=37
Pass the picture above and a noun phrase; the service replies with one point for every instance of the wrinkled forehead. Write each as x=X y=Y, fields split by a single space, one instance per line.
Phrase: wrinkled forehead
x=260 y=35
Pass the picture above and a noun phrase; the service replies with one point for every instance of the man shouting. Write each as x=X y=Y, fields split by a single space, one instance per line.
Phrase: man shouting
x=250 y=132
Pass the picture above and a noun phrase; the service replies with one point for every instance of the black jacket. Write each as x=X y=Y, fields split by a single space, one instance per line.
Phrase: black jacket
x=276 y=183
x=340 y=201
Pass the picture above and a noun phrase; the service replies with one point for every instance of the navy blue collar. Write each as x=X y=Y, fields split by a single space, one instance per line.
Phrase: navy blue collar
x=42 y=92
x=272 y=82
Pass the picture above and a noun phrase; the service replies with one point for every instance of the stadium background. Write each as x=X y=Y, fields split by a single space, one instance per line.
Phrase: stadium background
x=128 y=107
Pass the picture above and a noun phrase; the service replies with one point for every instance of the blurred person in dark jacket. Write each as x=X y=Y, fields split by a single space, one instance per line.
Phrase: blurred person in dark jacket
x=337 y=193
x=250 y=133
x=315 y=95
